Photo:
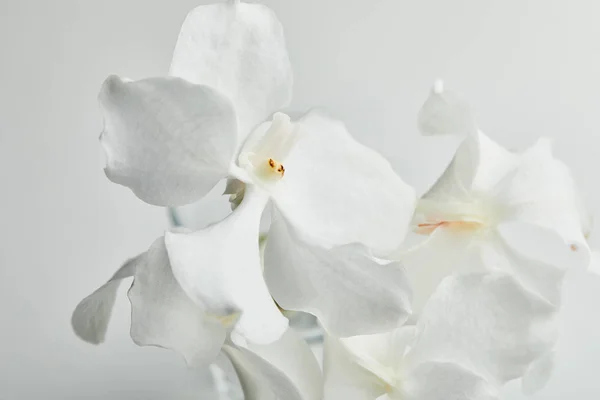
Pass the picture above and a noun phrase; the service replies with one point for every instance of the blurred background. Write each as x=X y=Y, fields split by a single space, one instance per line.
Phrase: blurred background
x=529 y=69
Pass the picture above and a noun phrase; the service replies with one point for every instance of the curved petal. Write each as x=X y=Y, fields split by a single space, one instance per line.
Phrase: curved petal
x=238 y=49
x=430 y=262
x=167 y=140
x=346 y=379
x=163 y=315
x=91 y=316
x=444 y=113
x=337 y=191
x=477 y=167
x=538 y=374
x=541 y=274
x=542 y=192
x=486 y=322
x=382 y=353
x=283 y=370
x=452 y=382
x=350 y=291
x=219 y=268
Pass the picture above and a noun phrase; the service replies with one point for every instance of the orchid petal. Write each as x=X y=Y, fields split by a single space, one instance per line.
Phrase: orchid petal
x=542 y=192
x=91 y=316
x=486 y=322
x=538 y=374
x=478 y=166
x=167 y=140
x=452 y=382
x=349 y=290
x=238 y=49
x=345 y=378
x=338 y=191
x=219 y=268
x=283 y=370
x=163 y=315
x=430 y=262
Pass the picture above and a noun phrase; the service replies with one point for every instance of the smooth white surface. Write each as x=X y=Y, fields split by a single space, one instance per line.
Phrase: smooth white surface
x=529 y=69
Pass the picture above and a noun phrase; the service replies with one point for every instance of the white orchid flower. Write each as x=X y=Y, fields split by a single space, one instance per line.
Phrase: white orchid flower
x=519 y=211
x=477 y=332
x=164 y=316
x=172 y=139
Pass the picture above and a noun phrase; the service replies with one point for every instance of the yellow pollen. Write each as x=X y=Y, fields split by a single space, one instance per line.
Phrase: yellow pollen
x=276 y=167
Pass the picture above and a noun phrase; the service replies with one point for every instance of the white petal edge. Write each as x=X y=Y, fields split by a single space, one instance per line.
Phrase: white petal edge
x=163 y=315
x=337 y=191
x=349 y=290
x=219 y=267
x=346 y=379
x=169 y=141
x=486 y=322
x=238 y=49
x=283 y=370
x=92 y=315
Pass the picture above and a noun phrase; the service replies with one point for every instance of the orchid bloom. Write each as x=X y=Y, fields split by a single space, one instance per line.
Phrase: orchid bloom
x=520 y=212
x=171 y=140
x=164 y=316
x=477 y=331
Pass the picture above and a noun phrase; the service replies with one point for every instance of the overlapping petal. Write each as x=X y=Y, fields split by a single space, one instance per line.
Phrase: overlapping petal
x=486 y=322
x=238 y=49
x=92 y=315
x=166 y=139
x=339 y=191
x=283 y=370
x=219 y=267
x=163 y=315
x=377 y=367
x=349 y=290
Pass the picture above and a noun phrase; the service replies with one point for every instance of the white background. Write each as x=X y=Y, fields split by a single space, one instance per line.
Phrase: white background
x=530 y=68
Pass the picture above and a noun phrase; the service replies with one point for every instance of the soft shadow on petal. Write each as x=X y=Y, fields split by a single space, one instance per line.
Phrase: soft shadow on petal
x=349 y=290
x=238 y=49
x=431 y=261
x=452 y=382
x=163 y=315
x=543 y=192
x=283 y=370
x=167 y=140
x=91 y=316
x=486 y=322
x=219 y=268
x=345 y=378
x=338 y=191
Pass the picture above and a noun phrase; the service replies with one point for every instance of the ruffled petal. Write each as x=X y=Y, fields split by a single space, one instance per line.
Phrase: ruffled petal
x=345 y=378
x=238 y=49
x=337 y=191
x=542 y=192
x=487 y=323
x=283 y=370
x=167 y=140
x=219 y=268
x=349 y=290
x=434 y=380
x=91 y=316
x=164 y=316
x=541 y=274
x=430 y=262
